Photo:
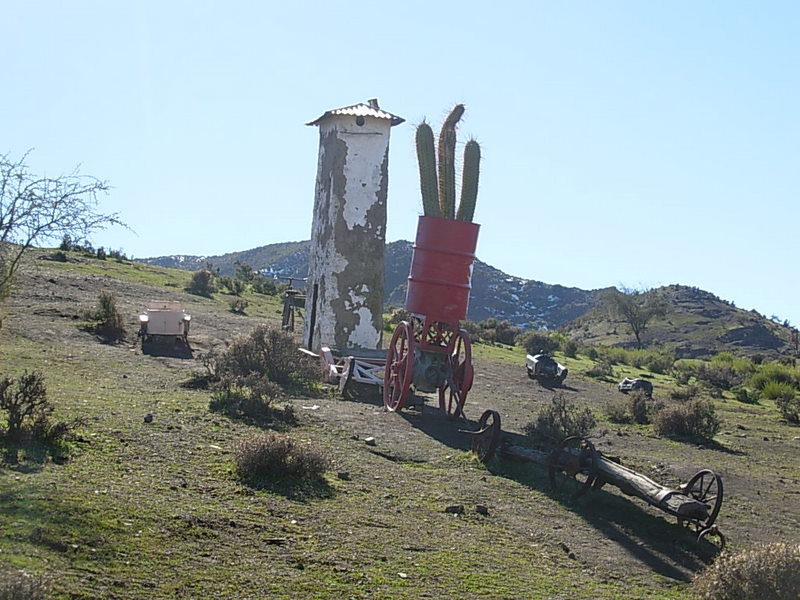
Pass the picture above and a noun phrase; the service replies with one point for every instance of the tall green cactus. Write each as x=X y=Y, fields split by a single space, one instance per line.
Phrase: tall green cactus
x=469 y=181
x=426 y=156
x=439 y=193
x=447 y=162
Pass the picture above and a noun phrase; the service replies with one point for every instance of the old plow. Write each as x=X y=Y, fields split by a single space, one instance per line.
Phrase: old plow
x=695 y=503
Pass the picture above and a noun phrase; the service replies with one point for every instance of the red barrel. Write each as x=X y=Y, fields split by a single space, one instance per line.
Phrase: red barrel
x=441 y=269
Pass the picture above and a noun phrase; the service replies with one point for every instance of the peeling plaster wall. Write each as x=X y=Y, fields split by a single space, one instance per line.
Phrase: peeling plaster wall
x=348 y=234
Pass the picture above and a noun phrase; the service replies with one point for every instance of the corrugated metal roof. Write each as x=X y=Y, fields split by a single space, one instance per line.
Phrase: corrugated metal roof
x=368 y=109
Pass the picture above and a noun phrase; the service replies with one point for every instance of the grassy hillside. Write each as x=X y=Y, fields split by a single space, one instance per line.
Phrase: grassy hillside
x=697 y=324
x=153 y=508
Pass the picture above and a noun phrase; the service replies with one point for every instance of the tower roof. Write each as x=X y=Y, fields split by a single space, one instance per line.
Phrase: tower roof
x=368 y=109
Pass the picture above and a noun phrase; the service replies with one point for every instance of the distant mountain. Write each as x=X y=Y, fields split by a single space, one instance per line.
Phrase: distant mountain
x=523 y=302
x=698 y=323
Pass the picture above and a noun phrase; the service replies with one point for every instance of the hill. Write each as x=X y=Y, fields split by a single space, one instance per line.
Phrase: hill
x=698 y=323
x=147 y=502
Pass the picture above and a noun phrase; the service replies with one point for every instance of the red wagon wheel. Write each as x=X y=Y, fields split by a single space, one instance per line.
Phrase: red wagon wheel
x=453 y=394
x=399 y=367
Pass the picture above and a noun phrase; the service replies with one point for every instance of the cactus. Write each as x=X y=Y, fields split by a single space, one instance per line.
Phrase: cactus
x=447 y=162
x=469 y=181
x=426 y=156
x=439 y=194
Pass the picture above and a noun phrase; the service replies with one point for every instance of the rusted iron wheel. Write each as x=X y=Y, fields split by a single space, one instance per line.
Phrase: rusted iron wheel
x=583 y=463
x=399 y=367
x=487 y=438
x=705 y=486
x=460 y=374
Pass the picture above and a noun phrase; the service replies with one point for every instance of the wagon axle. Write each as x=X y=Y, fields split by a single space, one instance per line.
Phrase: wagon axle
x=695 y=504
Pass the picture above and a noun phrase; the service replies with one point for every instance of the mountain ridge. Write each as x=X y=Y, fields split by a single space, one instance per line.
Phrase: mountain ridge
x=698 y=324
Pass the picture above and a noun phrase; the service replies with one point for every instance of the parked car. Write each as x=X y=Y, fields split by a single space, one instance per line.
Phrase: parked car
x=544 y=367
x=164 y=319
x=630 y=384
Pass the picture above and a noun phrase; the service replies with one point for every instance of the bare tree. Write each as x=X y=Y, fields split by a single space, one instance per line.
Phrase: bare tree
x=637 y=308
x=36 y=209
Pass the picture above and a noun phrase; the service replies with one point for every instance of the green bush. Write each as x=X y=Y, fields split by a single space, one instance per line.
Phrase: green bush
x=695 y=420
x=535 y=342
x=273 y=456
x=742 y=394
x=238 y=305
x=266 y=285
x=251 y=401
x=768 y=572
x=202 y=283
x=600 y=370
x=570 y=348
x=772 y=371
x=27 y=411
x=684 y=394
x=109 y=323
x=634 y=408
x=20 y=585
x=560 y=419
x=773 y=390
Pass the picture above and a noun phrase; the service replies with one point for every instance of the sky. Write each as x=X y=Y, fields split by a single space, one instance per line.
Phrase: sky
x=624 y=143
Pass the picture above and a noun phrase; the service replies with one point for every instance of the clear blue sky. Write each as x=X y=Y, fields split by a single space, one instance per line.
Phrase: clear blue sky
x=625 y=142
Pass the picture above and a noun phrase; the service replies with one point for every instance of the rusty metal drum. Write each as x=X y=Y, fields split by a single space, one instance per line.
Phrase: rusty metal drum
x=441 y=269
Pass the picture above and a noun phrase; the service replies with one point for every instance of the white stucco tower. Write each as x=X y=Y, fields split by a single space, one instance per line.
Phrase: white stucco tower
x=344 y=292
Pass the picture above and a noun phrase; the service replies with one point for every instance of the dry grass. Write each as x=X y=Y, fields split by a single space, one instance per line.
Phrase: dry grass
x=769 y=572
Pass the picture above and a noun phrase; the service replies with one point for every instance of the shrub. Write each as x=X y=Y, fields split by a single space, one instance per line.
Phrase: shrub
x=24 y=405
x=695 y=420
x=601 y=369
x=768 y=572
x=789 y=407
x=639 y=409
x=20 y=585
x=265 y=285
x=685 y=394
x=772 y=371
x=722 y=376
x=742 y=394
x=559 y=420
x=101 y=253
x=238 y=305
x=267 y=352
x=66 y=243
x=591 y=353
x=633 y=409
x=570 y=348
x=617 y=411
x=28 y=411
x=251 y=401
x=202 y=283
x=273 y=455
x=773 y=390
x=109 y=321
x=535 y=342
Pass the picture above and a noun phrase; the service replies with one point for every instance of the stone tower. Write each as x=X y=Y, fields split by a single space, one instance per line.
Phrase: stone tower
x=344 y=292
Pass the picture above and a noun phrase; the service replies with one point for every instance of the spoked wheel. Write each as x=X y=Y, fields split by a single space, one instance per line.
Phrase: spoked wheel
x=705 y=486
x=458 y=381
x=486 y=439
x=576 y=457
x=399 y=367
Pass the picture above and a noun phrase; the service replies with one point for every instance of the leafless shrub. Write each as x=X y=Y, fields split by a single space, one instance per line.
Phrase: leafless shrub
x=695 y=420
x=272 y=455
x=769 y=572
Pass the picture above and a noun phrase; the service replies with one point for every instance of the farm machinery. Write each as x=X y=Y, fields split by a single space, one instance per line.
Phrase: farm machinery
x=695 y=503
